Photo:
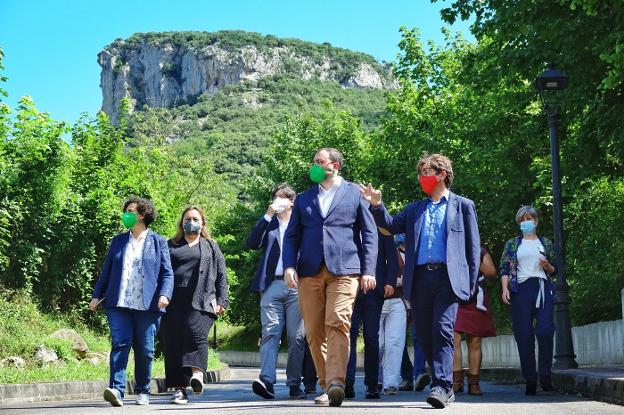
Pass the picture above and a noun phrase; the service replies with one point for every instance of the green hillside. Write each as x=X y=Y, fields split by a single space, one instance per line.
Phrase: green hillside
x=237 y=124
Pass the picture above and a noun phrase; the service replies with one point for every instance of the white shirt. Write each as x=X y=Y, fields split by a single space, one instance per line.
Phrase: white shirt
x=528 y=260
x=131 y=284
x=279 y=268
x=326 y=197
x=529 y=267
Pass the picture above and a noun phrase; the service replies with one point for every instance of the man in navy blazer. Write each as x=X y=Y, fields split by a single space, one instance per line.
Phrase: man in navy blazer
x=441 y=263
x=367 y=309
x=329 y=246
x=279 y=304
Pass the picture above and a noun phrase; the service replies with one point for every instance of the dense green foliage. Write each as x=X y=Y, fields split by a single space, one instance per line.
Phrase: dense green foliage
x=238 y=122
x=584 y=39
x=60 y=203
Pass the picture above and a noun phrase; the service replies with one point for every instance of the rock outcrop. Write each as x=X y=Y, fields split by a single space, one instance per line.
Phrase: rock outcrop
x=160 y=70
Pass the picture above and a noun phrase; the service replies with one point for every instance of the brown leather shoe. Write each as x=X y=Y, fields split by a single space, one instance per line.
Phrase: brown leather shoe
x=458 y=381
x=473 y=385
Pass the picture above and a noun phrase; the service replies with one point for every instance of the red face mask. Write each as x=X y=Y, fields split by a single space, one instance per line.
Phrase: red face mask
x=428 y=183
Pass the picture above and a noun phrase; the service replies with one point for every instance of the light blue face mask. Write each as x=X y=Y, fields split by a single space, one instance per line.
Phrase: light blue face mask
x=528 y=226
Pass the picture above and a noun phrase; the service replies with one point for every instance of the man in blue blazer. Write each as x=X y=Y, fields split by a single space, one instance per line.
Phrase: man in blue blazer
x=367 y=309
x=441 y=264
x=279 y=304
x=329 y=246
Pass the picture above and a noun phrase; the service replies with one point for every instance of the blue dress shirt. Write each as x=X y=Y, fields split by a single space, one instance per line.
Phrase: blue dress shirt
x=432 y=242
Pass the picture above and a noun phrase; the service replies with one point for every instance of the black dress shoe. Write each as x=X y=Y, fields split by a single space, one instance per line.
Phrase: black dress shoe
x=372 y=392
x=531 y=388
x=546 y=383
x=296 y=393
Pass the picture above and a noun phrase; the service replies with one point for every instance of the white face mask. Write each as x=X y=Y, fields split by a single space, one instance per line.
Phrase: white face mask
x=280 y=204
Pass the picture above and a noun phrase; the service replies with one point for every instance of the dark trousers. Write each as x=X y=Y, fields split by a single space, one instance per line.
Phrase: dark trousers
x=185 y=335
x=435 y=307
x=411 y=371
x=367 y=308
x=307 y=370
x=530 y=322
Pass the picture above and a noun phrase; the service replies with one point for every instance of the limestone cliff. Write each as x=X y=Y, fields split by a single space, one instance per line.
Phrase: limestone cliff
x=167 y=69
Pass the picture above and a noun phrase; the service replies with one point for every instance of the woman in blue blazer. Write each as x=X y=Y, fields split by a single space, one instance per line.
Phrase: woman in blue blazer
x=134 y=287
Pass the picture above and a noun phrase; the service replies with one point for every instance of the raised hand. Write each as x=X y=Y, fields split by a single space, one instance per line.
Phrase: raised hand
x=371 y=195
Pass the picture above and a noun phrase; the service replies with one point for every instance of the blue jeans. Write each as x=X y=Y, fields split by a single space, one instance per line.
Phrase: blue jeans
x=367 y=308
x=136 y=329
x=279 y=308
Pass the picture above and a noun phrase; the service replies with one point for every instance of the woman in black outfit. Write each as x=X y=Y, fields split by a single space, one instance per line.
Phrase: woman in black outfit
x=200 y=294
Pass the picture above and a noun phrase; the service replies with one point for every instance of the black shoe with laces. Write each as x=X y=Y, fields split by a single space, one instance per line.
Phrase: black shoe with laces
x=531 y=388
x=296 y=393
x=372 y=392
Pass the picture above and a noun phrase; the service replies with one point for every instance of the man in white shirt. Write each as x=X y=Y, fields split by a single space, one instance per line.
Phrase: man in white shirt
x=279 y=304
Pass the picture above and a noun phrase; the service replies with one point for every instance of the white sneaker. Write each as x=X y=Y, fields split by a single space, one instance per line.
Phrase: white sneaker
x=197 y=384
x=113 y=396
x=179 y=397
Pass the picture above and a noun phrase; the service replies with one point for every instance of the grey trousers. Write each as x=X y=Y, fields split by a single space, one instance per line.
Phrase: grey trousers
x=279 y=307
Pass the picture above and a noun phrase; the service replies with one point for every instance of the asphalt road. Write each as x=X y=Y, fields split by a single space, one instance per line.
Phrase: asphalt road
x=234 y=396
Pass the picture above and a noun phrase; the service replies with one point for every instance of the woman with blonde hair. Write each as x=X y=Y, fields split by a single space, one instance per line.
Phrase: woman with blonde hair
x=200 y=294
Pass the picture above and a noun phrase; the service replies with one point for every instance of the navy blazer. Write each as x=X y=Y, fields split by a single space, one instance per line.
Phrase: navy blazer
x=157 y=271
x=265 y=235
x=346 y=240
x=463 y=245
x=387 y=263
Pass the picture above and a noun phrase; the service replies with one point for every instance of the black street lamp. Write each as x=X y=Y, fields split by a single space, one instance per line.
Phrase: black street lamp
x=551 y=86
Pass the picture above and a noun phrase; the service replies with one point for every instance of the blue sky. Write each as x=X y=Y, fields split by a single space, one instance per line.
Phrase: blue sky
x=51 y=46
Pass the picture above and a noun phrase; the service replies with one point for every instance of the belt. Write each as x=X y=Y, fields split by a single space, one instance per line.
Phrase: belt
x=278 y=277
x=431 y=267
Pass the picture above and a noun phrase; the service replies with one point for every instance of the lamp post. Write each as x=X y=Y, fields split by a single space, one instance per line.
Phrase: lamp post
x=551 y=84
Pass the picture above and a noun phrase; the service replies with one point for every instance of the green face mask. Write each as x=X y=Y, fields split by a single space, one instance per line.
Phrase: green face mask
x=129 y=219
x=317 y=173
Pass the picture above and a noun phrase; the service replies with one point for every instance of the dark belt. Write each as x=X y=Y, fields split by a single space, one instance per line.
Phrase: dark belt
x=431 y=267
x=278 y=277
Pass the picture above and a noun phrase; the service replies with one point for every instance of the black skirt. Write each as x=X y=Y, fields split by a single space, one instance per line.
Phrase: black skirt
x=185 y=336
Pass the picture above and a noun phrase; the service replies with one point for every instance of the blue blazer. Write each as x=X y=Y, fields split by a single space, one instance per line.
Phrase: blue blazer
x=346 y=239
x=463 y=245
x=157 y=272
x=265 y=236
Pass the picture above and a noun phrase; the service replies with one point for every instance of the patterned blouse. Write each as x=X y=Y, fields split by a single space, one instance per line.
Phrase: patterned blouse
x=131 y=285
x=509 y=260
